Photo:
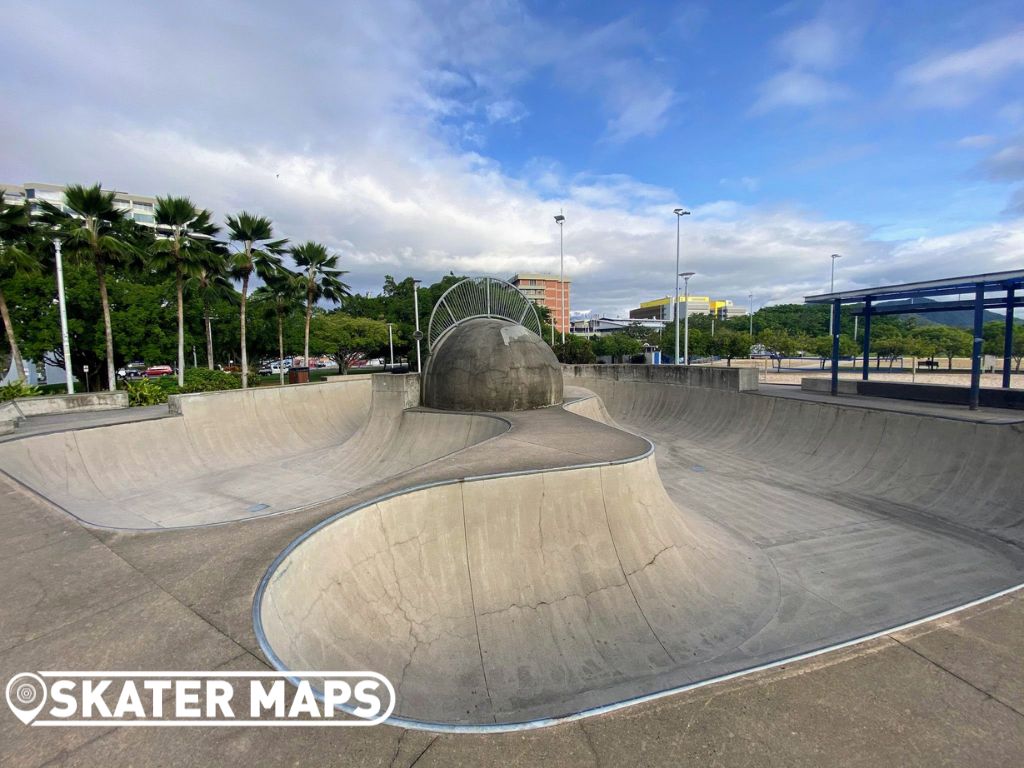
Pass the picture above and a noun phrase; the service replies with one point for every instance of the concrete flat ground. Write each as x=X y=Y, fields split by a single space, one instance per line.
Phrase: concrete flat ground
x=59 y=422
x=851 y=530
x=949 y=692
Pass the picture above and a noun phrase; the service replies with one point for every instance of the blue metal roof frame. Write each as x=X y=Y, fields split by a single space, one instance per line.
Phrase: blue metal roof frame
x=968 y=284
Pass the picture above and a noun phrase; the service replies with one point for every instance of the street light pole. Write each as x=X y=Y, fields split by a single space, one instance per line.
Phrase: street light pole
x=418 y=334
x=679 y=212
x=832 y=289
x=65 y=343
x=686 y=315
x=750 y=312
x=562 y=312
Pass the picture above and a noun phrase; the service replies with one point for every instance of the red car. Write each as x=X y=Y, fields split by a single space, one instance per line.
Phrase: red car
x=159 y=370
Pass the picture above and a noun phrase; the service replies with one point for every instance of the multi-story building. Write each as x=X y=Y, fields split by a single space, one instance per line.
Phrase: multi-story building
x=544 y=290
x=601 y=326
x=139 y=207
x=661 y=309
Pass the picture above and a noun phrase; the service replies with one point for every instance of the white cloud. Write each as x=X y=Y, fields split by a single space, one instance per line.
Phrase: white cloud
x=1007 y=164
x=978 y=141
x=641 y=114
x=348 y=151
x=505 y=111
x=958 y=78
x=815 y=45
x=810 y=52
x=794 y=88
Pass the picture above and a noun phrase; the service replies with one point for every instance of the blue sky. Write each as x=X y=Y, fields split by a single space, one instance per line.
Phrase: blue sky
x=428 y=137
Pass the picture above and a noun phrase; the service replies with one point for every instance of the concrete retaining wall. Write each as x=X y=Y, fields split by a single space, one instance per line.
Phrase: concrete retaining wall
x=926 y=393
x=702 y=377
x=43 y=405
x=9 y=417
x=846 y=386
x=942 y=393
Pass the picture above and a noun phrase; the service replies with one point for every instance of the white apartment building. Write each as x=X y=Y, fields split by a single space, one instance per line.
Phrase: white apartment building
x=139 y=207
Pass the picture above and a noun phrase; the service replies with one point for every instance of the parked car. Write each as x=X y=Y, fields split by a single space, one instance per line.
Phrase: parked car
x=274 y=368
x=159 y=370
x=132 y=372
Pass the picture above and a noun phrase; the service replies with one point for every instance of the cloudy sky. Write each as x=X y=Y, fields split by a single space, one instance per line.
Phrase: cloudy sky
x=418 y=138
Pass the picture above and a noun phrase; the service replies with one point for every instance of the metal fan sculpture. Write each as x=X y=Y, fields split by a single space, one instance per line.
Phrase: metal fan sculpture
x=480 y=297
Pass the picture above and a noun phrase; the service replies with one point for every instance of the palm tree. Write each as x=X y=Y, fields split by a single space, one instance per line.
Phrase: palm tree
x=321 y=281
x=94 y=230
x=184 y=235
x=16 y=257
x=258 y=252
x=211 y=281
x=282 y=292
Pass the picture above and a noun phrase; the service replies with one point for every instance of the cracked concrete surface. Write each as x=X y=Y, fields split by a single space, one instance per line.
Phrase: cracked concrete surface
x=589 y=586
x=949 y=691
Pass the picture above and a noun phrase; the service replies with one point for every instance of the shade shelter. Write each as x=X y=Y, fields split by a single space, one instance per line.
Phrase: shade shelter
x=992 y=290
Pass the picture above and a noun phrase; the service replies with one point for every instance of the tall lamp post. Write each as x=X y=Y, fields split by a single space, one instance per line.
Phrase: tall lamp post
x=750 y=312
x=562 y=313
x=686 y=316
x=832 y=288
x=679 y=212
x=418 y=335
x=65 y=342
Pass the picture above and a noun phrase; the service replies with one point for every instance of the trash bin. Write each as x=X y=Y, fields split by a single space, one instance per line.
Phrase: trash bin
x=298 y=375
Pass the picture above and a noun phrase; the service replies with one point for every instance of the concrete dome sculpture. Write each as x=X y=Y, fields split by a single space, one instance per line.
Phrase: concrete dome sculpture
x=486 y=351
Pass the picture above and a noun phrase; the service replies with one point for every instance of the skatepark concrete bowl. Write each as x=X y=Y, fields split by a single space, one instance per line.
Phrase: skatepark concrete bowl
x=490 y=364
x=760 y=529
x=228 y=456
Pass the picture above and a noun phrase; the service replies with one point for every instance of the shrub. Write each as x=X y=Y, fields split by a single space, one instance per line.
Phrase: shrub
x=205 y=380
x=254 y=378
x=145 y=392
x=168 y=384
x=18 y=389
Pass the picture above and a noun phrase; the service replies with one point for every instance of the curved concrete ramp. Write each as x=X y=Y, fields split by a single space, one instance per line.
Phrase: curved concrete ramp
x=239 y=454
x=763 y=529
x=512 y=599
x=964 y=472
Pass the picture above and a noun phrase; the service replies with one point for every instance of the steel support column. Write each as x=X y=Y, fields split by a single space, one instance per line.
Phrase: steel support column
x=835 y=346
x=866 y=365
x=1008 y=338
x=979 y=322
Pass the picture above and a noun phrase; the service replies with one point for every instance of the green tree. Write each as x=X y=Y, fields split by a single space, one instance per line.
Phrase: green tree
x=281 y=295
x=210 y=282
x=729 y=344
x=617 y=346
x=348 y=337
x=321 y=279
x=97 y=231
x=699 y=340
x=946 y=341
x=182 y=249
x=257 y=252
x=821 y=346
x=576 y=350
x=778 y=343
x=17 y=257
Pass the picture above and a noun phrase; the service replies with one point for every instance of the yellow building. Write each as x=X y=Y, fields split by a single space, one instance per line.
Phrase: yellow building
x=661 y=309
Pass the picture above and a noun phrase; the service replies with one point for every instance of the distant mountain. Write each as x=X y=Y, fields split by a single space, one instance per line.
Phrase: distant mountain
x=958 y=318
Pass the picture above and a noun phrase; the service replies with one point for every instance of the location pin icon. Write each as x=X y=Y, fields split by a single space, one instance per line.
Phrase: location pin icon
x=26 y=695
